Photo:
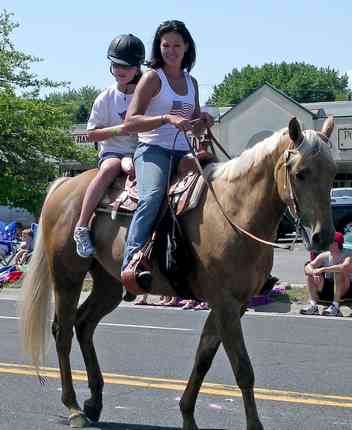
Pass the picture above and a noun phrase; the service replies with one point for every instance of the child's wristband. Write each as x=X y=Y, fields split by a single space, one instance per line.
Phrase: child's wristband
x=115 y=132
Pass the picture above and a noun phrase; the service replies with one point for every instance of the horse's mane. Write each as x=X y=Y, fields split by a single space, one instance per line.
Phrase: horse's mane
x=240 y=165
x=251 y=157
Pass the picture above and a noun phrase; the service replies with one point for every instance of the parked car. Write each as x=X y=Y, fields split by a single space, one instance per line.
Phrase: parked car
x=341 y=196
x=286 y=225
x=341 y=206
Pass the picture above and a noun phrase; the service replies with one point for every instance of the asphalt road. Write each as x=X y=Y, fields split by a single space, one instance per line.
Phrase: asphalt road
x=288 y=265
x=303 y=371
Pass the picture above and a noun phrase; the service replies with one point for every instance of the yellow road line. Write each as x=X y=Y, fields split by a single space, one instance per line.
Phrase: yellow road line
x=179 y=385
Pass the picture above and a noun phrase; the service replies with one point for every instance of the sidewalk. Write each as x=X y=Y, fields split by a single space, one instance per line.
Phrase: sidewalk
x=279 y=304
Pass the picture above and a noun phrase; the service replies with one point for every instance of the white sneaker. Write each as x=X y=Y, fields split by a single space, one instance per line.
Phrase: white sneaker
x=310 y=310
x=84 y=246
x=332 y=311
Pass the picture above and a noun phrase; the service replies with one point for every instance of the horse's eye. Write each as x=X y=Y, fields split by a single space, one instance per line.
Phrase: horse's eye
x=301 y=175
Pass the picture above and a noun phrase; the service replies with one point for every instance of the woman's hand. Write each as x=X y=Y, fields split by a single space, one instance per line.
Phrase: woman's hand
x=207 y=119
x=318 y=271
x=202 y=123
x=179 y=122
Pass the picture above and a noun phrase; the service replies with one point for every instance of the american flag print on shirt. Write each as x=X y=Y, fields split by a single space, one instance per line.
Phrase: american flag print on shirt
x=122 y=115
x=181 y=108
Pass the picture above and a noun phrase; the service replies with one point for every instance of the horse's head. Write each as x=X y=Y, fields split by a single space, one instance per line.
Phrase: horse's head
x=306 y=178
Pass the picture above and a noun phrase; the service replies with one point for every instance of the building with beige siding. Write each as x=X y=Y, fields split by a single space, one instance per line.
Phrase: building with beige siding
x=268 y=109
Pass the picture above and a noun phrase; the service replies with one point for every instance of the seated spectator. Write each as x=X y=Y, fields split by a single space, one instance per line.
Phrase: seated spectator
x=143 y=300
x=19 y=231
x=189 y=304
x=26 y=246
x=321 y=280
x=4 y=250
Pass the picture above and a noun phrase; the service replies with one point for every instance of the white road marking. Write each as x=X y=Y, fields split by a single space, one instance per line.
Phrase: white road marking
x=148 y=327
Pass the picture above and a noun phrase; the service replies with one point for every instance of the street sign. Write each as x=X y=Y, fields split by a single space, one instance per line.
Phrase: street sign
x=344 y=138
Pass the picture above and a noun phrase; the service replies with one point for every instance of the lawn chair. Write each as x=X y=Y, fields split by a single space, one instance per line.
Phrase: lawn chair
x=8 y=243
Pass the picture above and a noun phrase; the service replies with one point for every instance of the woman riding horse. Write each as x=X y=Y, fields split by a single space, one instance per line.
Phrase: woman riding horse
x=291 y=167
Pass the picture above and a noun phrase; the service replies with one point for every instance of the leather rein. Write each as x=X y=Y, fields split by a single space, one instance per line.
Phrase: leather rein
x=292 y=203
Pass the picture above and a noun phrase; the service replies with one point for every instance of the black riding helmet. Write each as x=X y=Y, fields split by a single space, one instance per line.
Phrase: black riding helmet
x=126 y=50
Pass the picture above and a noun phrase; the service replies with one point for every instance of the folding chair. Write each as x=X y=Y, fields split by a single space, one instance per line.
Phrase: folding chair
x=8 y=242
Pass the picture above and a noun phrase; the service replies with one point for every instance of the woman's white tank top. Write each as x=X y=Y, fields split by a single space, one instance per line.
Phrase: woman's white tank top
x=168 y=102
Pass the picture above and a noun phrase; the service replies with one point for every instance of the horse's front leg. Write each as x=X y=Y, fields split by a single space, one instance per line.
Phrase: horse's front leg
x=228 y=315
x=208 y=345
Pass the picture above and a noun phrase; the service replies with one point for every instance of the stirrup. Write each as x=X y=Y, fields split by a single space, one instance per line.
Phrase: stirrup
x=137 y=277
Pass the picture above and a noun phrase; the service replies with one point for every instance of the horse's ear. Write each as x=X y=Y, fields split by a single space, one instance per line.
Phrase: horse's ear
x=328 y=127
x=294 y=130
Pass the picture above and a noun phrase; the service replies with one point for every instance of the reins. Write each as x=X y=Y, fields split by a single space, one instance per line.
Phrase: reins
x=292 y=201
x=292 y=204
x=232 y=224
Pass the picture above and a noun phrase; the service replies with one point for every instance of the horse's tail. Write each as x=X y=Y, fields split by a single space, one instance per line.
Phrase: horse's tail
x=35 y=310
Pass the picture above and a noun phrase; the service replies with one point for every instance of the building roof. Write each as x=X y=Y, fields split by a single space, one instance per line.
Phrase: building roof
x=318 y=109
x=336 y=109
x=222 y=111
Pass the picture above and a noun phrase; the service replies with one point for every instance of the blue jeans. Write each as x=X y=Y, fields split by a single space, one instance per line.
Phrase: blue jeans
x=151 y=164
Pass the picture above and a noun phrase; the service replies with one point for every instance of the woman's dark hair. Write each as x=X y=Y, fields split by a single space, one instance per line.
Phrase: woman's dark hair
x=179 y=27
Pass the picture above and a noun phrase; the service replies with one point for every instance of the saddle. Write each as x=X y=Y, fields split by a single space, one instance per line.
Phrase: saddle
x=185 y=189
x=122 y=197
x=184 y=194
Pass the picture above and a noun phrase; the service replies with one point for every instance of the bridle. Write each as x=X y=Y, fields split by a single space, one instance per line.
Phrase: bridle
x=291 y=204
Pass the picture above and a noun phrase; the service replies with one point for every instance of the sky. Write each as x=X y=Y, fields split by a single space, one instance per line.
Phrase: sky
x=72 y=37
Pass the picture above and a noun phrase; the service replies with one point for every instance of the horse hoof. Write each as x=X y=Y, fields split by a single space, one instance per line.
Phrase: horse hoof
x=257 y=426
x=78 y=420
x=190 y=425
x=92 y=412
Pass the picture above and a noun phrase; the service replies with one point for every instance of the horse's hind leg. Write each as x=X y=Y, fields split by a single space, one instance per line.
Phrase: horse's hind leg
x=207 y=348
x=105 y=296
x=229 y=327
x=67 y=294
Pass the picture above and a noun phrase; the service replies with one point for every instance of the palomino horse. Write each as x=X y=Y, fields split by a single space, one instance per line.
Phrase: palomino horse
x=229 y=267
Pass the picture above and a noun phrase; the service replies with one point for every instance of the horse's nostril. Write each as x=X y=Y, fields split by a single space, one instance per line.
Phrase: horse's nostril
x=316 y=238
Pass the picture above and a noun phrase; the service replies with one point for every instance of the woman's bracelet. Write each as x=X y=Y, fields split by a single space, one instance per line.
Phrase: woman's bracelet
x=163 y=119
x=115 y=131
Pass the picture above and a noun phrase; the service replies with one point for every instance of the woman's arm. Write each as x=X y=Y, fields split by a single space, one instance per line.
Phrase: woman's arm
x=147 y=88
x=314 y=265
x=344 y=267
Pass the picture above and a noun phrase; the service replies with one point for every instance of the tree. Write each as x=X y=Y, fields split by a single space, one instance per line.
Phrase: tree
x=303 y=82
x=34 y=134
x=77 y=103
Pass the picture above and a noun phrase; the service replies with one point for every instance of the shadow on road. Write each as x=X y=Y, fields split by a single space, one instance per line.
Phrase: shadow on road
x=119 y=426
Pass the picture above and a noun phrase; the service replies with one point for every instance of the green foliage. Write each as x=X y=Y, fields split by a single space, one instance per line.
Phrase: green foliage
x=34 y=134
x=77 y=103
x=303 y=82
x=33 y=142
